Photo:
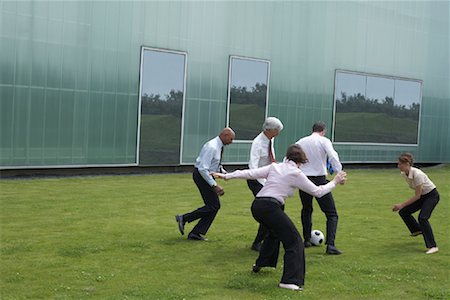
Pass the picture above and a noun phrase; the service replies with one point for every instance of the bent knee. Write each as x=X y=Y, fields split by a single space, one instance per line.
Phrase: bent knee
x=214 y=207
x=423 y=219
x=403 y=213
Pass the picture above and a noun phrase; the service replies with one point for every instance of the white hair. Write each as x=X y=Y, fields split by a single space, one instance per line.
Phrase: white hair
x=272 y=123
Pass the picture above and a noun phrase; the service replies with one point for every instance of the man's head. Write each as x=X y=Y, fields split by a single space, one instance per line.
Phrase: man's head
x=272 y=127
x=227 y=135
x=320 y=128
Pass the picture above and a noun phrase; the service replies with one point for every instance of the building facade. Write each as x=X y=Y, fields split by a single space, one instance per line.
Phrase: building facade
x=93 y=83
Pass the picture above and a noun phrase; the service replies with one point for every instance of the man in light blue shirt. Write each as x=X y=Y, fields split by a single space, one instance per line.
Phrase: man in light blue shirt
x=207 y=162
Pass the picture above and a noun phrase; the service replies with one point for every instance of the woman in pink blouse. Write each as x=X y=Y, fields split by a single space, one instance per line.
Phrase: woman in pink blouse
x=267 y=208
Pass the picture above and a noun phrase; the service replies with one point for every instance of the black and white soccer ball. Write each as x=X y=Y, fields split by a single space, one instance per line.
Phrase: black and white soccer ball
x=317 y=237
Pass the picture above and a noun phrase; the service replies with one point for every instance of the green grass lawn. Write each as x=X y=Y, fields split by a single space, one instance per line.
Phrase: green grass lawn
x=115 y=237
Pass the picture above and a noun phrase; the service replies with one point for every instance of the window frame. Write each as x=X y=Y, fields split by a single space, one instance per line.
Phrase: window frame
x=141 y=69
x=230 y=59
x=365 y=87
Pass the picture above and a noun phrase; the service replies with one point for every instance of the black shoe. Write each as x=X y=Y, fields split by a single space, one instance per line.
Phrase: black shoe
x=196 y=237
x=180 y=222
x=333 y=250
x=308 y=244
x=256 y=247
x=256 y=268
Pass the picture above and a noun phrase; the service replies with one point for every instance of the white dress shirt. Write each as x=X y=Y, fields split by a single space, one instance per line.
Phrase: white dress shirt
x=318 y=149
x=417 y=177
x=209 y=159
x=282 y=180
x=259 y=153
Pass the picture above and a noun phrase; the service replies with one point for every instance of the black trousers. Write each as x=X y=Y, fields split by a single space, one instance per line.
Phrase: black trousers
x=327 y=206
x=255 y=187
x=426 y=204
x=270 y=213
x=206 y=213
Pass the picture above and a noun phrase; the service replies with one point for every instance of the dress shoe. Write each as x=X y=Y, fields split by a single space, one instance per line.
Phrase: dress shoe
x=432 y=250
x=256 y=268
x=333 y=250
x=256 y=247
x=196 y=237
x=180 y=222
x=416 y=233
x=290 y=286
x=308 y=244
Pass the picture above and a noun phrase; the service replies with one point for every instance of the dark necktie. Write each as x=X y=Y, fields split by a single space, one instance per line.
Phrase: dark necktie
x=221 y=155
x=271 y=157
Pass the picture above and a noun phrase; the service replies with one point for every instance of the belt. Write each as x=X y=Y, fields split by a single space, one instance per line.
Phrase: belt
x=269 y=199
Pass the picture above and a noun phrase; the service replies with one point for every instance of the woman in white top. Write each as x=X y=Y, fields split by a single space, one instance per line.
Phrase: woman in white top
x=282 y=180
x=425 y=199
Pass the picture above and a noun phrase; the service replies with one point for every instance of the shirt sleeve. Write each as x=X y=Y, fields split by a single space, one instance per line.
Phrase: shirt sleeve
x=308 y=186
x=254 y=156
x=332 y=156
x=205 y=164
x=419 y=179
x=262 y=172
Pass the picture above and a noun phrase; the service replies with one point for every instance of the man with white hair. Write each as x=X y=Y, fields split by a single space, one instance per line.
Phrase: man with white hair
x=262 y=154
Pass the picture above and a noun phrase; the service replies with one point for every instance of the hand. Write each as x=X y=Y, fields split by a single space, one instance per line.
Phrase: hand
x=219 y=190
x=218 y=175
x=340 y=177
x=397 y=207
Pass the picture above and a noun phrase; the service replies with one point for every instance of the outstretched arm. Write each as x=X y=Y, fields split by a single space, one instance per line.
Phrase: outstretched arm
x=417 y=194
x=306 y=185
x=262 y=172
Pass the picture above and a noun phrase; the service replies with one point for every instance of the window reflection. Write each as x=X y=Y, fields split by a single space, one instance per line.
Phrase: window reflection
x=162 y=94
x=247 y=96
x=376 y=109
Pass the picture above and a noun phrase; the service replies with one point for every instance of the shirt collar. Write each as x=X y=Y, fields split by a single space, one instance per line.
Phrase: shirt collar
x=290 y=162
x=219 y=142
x=265 y=136
x=410 y=175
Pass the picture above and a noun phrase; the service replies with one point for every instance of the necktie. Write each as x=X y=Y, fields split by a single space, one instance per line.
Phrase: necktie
x=271 y=157
x=221 y=155
x=221 y=169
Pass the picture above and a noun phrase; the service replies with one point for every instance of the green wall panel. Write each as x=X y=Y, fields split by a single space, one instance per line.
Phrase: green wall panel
x=69 y=71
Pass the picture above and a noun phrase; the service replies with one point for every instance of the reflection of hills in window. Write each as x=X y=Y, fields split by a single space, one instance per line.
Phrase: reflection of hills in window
x=253 y=95
x=359 y=103
x=169 y=104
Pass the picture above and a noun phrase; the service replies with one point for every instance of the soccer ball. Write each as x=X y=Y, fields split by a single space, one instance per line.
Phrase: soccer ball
x=316 y=237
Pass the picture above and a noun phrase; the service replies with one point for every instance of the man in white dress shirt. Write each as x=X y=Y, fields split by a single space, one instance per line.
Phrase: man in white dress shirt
x=208 y=161
x=262 y=153
x=318 y=150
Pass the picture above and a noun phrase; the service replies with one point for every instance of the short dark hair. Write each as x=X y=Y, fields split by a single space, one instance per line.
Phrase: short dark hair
x=296 y=154
x=319 y=126
x=406 y=158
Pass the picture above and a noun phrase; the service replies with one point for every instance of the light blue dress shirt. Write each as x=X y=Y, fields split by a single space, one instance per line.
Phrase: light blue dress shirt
x=209 y=160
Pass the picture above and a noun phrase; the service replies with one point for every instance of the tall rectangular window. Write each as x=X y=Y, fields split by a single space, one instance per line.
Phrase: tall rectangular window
x=247 y=96
x=162 y=98
x=376 y=109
